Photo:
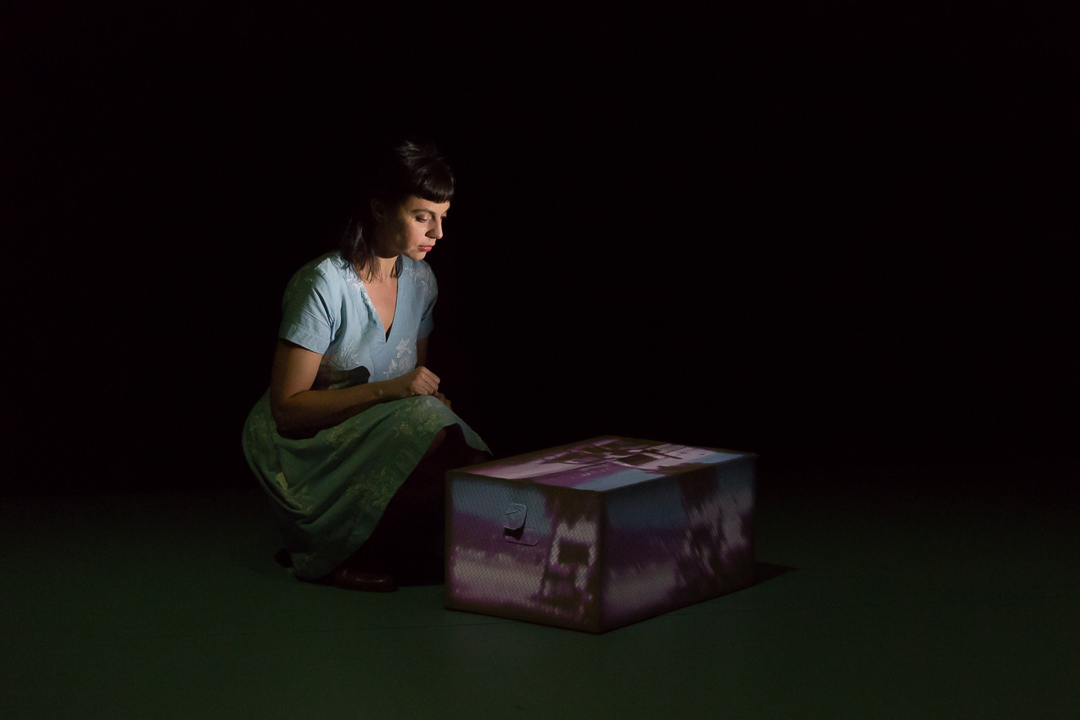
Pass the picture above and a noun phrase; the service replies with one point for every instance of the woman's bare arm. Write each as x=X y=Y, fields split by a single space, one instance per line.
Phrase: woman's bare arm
x=421 y=352
x=421 y=361
x=298 y=410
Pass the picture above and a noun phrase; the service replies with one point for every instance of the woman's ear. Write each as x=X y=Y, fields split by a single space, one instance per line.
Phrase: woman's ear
x=378 y=210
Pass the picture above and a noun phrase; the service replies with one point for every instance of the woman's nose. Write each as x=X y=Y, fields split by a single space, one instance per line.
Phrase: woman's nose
x=436 y=232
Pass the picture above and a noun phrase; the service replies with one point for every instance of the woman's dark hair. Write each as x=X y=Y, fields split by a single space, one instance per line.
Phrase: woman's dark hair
x=411 y=167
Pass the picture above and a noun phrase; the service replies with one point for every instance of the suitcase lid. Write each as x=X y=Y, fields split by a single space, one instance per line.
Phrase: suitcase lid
x=604 y=463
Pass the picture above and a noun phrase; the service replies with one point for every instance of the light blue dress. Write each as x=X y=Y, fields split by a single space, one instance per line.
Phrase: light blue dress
x=330 y=490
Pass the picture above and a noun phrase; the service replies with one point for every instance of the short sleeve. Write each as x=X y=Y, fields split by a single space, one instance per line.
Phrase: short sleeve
x=308 y=313
x=431 y=293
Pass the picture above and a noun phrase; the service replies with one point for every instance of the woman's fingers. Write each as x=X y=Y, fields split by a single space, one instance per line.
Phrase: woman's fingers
x=431 y=381
x=424 y=382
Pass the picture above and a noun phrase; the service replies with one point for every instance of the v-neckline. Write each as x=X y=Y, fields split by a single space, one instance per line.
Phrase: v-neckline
x=397 y=303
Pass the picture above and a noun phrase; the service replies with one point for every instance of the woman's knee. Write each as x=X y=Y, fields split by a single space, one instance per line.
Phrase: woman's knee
x=436 y=443
x=473 y=456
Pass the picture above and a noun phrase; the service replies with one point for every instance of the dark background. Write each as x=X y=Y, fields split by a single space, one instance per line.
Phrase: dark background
x=827 y=233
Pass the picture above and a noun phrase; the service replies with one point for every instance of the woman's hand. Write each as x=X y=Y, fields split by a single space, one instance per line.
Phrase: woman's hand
x=420 y=381
x=299 y=411
x=442 y=398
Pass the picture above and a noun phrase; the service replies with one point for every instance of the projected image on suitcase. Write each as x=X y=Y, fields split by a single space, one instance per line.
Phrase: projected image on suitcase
x=600 y=533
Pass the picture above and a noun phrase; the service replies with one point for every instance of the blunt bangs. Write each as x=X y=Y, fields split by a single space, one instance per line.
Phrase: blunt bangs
x=417 y=169
x=435 y=184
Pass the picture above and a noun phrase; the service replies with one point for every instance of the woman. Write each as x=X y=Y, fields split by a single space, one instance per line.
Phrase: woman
x=353 y=438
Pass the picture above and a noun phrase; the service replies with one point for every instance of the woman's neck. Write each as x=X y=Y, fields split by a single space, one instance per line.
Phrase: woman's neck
x=381 y=269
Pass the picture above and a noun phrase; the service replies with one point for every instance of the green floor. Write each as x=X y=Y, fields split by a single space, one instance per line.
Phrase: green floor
x=946 y=593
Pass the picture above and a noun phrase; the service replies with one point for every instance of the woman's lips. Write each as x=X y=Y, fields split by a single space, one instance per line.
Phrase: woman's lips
x=426 y=248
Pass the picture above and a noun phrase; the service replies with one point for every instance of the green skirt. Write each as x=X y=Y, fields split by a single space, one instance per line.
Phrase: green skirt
x=330 y=490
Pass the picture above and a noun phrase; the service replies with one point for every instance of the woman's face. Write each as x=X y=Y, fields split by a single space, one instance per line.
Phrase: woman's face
x=411 y=229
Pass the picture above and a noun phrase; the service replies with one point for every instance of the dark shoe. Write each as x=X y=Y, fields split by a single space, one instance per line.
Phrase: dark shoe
x=349 y=579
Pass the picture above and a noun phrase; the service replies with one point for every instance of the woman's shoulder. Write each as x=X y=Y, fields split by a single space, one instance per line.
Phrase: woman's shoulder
x=417 y=269
x=330 y=267
x=331 y=263
x=421 y=276
x=324 y=274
